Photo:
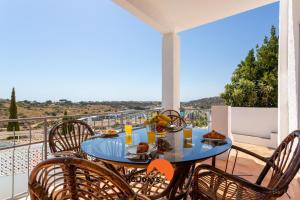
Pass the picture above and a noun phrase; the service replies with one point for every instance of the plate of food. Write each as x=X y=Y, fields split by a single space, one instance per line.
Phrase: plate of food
x=109 y=133
x=214 y=136
x=141 y=149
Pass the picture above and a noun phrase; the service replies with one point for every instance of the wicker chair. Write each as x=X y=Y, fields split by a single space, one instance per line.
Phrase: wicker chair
x=176 y=120
x=74 y=178
x=171 y=112
x=281 y=167
x=66 y=137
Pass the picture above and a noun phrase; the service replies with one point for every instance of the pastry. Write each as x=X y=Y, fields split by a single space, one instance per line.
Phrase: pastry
x=142 y=147
x=110 y=132
x=214 y=135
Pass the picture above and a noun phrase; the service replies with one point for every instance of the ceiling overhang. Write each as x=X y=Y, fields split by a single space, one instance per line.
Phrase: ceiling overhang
x=179 y=15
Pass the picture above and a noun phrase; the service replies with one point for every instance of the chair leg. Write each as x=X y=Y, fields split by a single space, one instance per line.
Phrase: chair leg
x=213 y=161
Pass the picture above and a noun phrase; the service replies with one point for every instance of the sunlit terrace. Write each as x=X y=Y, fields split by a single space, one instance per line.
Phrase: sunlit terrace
x=160 y=153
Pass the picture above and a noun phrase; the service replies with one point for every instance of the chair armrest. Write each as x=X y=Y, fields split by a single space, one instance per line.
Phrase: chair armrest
x=264 y=159
x=221 y=174
x=250 y=153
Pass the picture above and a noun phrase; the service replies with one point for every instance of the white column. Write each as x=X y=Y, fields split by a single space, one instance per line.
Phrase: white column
x=170 y=72
x=288 y=71
x=293 y=63
x=289 y=84
x=283 y=110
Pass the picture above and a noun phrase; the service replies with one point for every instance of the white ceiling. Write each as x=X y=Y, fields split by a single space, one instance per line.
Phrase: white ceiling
x=180 y=15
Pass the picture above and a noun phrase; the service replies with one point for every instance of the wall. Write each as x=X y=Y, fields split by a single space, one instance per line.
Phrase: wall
x=221 y=122
x=259 y=122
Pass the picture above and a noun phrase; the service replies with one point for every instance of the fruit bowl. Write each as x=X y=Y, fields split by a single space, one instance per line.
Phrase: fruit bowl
x=164 y=123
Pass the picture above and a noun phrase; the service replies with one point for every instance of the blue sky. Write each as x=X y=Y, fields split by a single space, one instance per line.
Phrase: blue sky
x=94 y=50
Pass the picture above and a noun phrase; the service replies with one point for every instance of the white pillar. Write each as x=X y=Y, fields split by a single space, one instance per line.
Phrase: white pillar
x=170 y=72
x=283 y=110
x=289 y=64
x=293 y=63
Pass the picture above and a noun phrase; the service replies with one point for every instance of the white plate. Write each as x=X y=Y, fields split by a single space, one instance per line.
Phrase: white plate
x=132 y=149
x=214 y=140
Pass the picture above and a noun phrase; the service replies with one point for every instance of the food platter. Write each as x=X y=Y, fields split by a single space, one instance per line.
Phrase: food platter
x=214 y=137
x=109 y=133
x=132 y=149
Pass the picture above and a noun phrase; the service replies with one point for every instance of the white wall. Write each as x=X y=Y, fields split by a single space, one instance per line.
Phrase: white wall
x=259 y=122
x=221 y=120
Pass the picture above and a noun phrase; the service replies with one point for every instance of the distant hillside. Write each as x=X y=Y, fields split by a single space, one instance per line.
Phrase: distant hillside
x=204 y=103
x=50 y=108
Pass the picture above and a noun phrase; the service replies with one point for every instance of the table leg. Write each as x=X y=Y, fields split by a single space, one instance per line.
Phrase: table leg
x=213 y=161
x=180 y=183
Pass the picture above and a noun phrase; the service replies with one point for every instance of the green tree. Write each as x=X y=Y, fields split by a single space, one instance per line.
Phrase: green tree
x=254 y=82
x=202 y=121
x=67 y=128
x=13 y=113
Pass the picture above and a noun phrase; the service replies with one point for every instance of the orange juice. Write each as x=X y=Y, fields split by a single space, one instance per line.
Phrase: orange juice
x=151 y=137
x=128 y=129
x=187 y=143
x=128 y=139
x=187 y=133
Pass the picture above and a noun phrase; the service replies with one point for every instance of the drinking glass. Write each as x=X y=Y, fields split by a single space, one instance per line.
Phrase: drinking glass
x=187 y=133
x=187 y=143
x=151 y=137
x=128 y=139
x=128 y=129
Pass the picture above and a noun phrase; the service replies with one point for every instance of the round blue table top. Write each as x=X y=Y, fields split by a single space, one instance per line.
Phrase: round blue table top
x=183 y=150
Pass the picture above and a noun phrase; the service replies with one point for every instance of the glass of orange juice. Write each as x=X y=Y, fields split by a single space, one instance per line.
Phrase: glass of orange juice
x=187 y=143
x=128 y=139
x=128 y=129
x=187 y=133
x=151 y=137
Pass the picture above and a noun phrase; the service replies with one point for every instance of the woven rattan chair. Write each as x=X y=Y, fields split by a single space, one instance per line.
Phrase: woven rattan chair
x=282 y=166
x=176 y=120
x=74 y=178
x=171 y=112
x=66 y=137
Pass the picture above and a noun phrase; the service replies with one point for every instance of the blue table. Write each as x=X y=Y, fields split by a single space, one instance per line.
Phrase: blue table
x=183 y=155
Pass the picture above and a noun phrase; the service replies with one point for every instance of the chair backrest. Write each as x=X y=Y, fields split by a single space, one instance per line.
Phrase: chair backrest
x=74 y=178
x=171 y=112
x=284 y=164
x=175 y=117
x=68 y=135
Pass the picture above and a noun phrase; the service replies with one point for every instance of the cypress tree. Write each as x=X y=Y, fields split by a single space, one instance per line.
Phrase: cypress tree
x=67 y=128
x=13 y=113
x=65 y=118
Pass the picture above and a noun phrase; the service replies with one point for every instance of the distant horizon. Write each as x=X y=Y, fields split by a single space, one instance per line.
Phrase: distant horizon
x=96 y=51
x=98 y=101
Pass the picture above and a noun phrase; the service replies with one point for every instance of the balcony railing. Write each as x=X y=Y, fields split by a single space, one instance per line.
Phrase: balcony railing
x=21 y=151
